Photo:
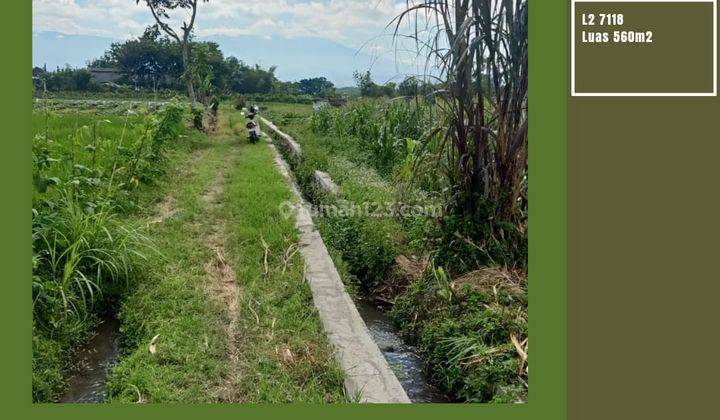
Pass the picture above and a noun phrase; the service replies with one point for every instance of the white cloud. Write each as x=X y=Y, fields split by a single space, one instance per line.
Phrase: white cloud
x=111 y=18
x=349 y=22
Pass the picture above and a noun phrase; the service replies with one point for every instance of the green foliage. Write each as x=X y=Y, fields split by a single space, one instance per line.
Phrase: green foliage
x=151 y=61
x=316 y=86
x=379 y=131
x=240 y=102
x=109 y=92
x=279 y=97
x=79 y=254
x=368 y=88
x=484 y=66
x=469 y=242
x=399 y=139
x=47 y=355
x=369 y=240
x=252 y=79
x=192 y=360
x=463 y=332
x=198 y=114
x=68 y=79
x=84 y=254
x=465 y=336
x=366 y=245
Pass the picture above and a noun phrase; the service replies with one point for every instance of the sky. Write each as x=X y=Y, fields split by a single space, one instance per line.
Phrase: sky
x=293 y=34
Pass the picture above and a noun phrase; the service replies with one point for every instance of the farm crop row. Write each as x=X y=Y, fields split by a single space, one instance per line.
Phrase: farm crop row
x=105 y=106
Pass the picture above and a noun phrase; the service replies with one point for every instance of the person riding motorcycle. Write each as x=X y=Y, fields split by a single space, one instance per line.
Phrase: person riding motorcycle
x=253 y=126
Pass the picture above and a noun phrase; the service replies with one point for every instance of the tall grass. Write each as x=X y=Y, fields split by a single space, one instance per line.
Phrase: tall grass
x=473 y=330
x=83 y=253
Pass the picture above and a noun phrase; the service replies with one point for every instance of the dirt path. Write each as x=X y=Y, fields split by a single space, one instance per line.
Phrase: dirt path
x=226 y=307
x=223 y=284
x=168 y=206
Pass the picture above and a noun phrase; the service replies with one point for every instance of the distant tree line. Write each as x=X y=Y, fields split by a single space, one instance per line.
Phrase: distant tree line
x=154 y=61
x=62 y=79
x=410 y=86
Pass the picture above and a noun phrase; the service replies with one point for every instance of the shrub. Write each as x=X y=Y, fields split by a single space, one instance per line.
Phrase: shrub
x=240 y=102
x=465 y=333
x=376 y=129
x=468 y=243
x=198 y=113
x=366 y=247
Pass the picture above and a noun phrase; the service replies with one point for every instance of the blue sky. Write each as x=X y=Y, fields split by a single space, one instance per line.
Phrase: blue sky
x=354 y=29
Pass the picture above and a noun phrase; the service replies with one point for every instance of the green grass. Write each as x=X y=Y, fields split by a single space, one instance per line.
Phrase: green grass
x=368 y=245
x=86 y=252
x=173 y=296
x=275 y=309
x=174 y=300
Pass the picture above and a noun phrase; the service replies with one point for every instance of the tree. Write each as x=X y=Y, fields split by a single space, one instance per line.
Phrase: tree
x=365 y=84
x=207 y=69
x=315 y=86
x=67 y=79
x=409 y=87
x=253 y=79
x=286 y=88
x=148 y=61
x=388 y=89
x=160 y=10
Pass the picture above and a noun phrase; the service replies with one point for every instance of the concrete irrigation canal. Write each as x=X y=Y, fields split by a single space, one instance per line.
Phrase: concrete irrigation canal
x=379 y=366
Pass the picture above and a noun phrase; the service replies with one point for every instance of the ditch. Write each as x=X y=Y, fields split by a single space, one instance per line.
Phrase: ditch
x=403 y=359
x=95 y=358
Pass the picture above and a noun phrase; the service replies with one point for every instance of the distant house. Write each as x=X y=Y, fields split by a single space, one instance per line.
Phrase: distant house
x=338 y=101
x=105 y=74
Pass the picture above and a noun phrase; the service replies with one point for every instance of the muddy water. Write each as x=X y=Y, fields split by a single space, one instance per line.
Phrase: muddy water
x=402 y=358
x=87 y=385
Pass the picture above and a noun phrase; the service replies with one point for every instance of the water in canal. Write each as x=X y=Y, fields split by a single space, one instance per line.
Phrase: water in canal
x=87 y=384
x=402 y=358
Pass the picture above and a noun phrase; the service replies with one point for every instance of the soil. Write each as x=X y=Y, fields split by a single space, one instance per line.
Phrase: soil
x=223 y=282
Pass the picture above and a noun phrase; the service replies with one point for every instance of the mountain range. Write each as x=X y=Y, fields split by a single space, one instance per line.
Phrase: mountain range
x=295 y=58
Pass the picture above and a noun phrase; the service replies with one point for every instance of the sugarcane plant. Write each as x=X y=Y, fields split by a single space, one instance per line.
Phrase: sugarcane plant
x=477 y=51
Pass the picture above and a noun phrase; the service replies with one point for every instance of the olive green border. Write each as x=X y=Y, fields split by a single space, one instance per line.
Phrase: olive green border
x=547 y=399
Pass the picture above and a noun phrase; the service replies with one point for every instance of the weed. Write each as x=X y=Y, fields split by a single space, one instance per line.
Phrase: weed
x=85 y=254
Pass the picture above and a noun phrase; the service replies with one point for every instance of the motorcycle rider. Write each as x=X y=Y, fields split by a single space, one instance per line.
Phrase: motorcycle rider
x=253 y=126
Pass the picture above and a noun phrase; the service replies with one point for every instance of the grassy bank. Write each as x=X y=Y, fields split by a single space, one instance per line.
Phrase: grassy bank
x=284 y=353
x=88 y=172
x=368 y=240
x=466 y=316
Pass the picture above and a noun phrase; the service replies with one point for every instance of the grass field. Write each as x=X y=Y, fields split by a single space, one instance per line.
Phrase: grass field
x=229 y=326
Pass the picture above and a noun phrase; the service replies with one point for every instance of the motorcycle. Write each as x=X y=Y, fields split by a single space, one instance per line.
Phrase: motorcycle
x=252 y=126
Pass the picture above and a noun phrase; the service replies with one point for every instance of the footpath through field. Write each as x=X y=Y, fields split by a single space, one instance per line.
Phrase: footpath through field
x=225 y=314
